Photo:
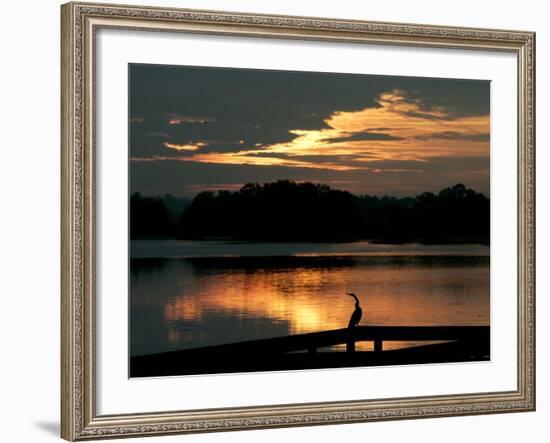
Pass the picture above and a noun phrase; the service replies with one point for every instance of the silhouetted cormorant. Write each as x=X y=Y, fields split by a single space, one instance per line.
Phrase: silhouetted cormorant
x=356 y=316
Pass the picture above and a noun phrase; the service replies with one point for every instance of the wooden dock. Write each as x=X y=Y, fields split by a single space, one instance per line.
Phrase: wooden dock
x=304 y=351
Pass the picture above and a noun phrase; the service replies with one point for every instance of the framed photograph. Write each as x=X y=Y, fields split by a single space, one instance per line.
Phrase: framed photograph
x=282 y=221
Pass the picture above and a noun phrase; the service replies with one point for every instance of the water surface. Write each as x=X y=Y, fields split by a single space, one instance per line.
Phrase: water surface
x=192 y=294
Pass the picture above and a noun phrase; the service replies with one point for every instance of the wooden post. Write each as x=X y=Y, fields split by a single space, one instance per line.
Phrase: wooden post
x=350 y=343
x=378 y=345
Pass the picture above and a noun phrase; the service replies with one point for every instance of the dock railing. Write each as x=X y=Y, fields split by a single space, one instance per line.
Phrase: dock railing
x=313 y=341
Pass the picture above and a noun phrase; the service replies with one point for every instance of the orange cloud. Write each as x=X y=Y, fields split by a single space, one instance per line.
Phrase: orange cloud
x=186 y=147
x=175 y=119
x=399 y=128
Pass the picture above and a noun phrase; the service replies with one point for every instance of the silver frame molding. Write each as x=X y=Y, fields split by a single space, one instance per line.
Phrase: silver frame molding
x=79 y=22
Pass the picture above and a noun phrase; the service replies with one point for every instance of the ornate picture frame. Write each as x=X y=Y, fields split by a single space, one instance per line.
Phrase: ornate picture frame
x=80 y=23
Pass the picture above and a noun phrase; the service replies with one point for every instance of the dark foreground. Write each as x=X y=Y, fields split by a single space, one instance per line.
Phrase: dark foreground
x=464 y=344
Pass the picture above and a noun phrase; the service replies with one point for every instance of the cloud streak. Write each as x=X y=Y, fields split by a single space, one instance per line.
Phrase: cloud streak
x=185 y=147
x=410 y=132
x=175 y=119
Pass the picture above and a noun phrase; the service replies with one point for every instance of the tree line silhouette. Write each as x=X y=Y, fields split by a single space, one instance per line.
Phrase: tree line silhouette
x=155 y=217
x=288 y=211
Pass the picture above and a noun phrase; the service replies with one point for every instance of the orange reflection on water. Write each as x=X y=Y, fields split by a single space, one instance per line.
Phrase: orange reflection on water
x=309 y=299
x=262 y=295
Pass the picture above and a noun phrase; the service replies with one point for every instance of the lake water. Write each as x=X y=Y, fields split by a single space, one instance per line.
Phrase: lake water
x=188 y=294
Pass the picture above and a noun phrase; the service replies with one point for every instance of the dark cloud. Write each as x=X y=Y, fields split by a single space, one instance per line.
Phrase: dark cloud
x=459 y=98
x=426 y=115
x=364 y=136
x=313 y=158
x=261 y=107
x=452 y=135
x=386 y=129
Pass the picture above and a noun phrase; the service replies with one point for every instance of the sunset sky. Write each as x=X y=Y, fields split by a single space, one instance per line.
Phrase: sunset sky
x=195 y=129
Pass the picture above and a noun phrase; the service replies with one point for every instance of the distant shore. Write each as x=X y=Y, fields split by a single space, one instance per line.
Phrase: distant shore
x=375 y=241
x=172 y=248
x=288 y=211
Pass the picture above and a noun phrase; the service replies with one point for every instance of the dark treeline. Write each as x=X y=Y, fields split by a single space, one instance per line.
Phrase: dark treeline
x=158 y=217
x=289 y=211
